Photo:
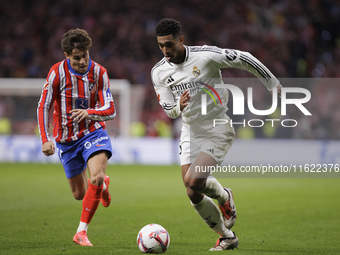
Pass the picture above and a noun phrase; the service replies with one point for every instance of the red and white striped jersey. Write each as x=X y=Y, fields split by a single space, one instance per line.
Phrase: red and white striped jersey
x=69 y=90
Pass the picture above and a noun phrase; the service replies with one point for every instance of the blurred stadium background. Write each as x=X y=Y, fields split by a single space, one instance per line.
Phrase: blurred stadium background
x=295 y=39
x=299 y=40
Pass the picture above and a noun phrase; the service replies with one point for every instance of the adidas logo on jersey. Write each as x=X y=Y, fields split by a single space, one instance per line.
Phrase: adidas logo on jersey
x=230 y=54
x=211 y=150
x=170 y=79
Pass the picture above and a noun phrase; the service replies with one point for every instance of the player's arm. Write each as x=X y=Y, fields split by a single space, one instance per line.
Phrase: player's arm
x=48 y=148
x=184 y=100
x=245 y=61
x=46 y=101
x=173 y=107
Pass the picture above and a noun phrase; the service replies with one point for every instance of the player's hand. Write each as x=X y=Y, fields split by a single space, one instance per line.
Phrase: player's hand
x=279 y=87
x=48 y=148
x=184 y=100
x=79 y=114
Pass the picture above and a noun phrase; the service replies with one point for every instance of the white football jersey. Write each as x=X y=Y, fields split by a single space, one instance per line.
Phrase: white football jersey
x=199 y=73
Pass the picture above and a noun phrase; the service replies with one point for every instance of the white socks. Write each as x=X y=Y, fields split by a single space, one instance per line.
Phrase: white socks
x=215 y=190
x=209 y=212
x=82 y=226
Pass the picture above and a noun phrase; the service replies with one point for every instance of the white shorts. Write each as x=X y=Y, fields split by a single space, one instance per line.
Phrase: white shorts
x=215 y=141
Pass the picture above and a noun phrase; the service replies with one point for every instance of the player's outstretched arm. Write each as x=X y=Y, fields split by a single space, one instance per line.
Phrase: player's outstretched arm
x=48 y=148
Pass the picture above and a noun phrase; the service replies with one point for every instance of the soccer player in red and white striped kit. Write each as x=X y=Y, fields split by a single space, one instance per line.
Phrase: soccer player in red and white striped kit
x=79 y=88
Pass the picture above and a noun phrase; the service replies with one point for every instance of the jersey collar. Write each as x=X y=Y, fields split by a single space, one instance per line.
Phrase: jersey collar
x=186 y=53
x=74 y=72
x=185 y=59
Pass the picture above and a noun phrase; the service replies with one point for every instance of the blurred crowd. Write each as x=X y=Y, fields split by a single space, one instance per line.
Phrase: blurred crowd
x=293 y=38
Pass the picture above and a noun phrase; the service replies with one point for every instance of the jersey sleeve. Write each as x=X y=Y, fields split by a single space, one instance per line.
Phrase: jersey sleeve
x=245 y=61
x=107 y=111
x=166 y=99
x=47 y=98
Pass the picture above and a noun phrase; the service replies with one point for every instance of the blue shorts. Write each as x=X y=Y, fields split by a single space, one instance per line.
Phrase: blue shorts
x=74 y=155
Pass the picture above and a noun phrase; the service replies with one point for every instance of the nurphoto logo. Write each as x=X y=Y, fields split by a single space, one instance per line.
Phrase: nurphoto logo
x=239 y=105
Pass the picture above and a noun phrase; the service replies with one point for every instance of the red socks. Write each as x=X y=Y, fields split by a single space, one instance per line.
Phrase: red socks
x=90 y=202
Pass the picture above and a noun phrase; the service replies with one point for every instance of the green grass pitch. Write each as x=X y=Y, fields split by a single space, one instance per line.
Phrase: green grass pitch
x=38 y=214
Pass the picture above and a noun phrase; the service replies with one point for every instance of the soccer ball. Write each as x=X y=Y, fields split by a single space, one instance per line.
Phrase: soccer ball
x=153 y=238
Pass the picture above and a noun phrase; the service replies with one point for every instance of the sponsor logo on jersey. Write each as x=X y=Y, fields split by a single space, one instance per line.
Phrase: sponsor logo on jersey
x=196 y=71
x=81 y=103
x=186 y=85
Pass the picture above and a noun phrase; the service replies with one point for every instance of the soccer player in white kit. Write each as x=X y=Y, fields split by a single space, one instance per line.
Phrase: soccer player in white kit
x=179 y=80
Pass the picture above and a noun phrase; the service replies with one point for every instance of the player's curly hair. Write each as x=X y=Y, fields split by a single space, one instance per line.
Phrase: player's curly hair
x=169 y=26
x=75 y=39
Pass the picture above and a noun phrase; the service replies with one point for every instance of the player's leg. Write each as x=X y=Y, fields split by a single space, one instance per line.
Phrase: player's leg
x=74 y=167
x=204 y=183
x=96 y=158
x=78 y=185
x=216 y=146
x=96 y=177
x=200 y=180
x=75 y=170
x=205 y=207
x=187 y=152
x=195 y=197
x=195 y=182
x=96 y=163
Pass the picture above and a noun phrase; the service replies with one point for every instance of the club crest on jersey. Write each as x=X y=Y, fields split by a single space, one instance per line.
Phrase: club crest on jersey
x=196 y=71
x=93 y=87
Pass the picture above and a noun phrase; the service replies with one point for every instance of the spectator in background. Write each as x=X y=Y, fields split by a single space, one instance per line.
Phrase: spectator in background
x=305 y=38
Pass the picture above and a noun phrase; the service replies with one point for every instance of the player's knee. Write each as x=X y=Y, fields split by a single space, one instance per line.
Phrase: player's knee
x=195 y=184
x=78 y=194
x=190 y=192
x=97 y=179
x=195 y=197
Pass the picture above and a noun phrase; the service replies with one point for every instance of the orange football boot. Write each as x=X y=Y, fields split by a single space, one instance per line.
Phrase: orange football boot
x=228 y=210
x=81 y=238
x=106 y=197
